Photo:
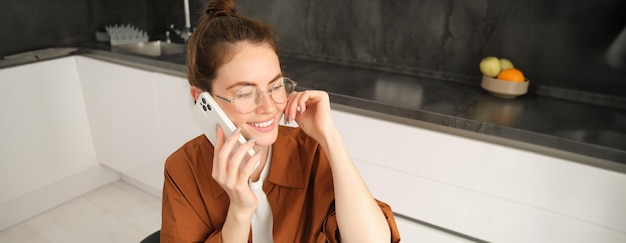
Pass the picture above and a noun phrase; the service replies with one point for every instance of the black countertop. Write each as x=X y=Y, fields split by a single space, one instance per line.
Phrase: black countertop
x=585 y=133
x=589 y=130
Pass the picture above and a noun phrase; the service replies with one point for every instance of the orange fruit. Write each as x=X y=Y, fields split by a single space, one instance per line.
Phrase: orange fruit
x=511 y=74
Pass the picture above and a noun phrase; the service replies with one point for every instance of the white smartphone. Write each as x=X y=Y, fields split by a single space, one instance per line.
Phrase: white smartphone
x=208 y=114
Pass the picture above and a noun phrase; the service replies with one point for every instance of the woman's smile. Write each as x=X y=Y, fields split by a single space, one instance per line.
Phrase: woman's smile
x=263 y=125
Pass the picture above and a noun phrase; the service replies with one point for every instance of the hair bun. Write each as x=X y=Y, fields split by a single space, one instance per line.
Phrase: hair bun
x=221 y=8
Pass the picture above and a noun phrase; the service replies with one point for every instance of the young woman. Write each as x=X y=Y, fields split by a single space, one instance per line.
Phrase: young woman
x=301 y=185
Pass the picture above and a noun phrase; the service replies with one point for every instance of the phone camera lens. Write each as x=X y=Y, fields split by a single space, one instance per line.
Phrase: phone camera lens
x=208 y=106
x=203 y=101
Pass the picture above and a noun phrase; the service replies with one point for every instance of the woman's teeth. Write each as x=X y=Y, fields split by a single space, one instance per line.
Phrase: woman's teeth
x=263 y=124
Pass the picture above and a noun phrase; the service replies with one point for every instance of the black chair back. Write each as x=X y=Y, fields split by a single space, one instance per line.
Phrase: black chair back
x=153 y=238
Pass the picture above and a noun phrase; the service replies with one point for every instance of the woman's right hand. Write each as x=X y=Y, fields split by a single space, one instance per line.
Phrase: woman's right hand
x=232 y=172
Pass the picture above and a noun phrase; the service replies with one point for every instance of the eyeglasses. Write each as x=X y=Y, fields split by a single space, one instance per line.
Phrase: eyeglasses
x=247 y=98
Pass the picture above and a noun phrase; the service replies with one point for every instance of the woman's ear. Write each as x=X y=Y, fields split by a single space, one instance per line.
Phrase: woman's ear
x=195 y=92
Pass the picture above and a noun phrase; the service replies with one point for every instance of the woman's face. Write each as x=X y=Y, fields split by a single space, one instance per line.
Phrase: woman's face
x=252 y=65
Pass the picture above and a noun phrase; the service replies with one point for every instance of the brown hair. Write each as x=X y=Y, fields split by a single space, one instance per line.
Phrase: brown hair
x=213 y=42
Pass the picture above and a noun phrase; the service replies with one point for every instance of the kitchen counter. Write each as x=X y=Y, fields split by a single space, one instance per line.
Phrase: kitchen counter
x=589 y=134
x=530 y=121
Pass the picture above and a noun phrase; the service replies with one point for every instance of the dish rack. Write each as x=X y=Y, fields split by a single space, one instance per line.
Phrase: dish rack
x=125 y=34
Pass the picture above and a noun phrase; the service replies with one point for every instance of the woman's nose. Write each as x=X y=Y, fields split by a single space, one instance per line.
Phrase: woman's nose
x=265 y=102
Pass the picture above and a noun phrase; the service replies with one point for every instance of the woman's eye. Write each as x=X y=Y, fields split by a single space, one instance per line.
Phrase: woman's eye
x=246 y=95
x=278 y=87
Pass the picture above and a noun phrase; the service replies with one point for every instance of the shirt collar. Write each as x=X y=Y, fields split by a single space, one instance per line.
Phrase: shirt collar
x=285 y=167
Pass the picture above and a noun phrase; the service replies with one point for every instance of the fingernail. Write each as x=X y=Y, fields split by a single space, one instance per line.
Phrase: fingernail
x=237 y=130
x=252 y=141
x=256 y=165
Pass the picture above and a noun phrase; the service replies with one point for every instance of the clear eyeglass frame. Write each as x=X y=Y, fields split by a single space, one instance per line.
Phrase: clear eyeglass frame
x=247 y=98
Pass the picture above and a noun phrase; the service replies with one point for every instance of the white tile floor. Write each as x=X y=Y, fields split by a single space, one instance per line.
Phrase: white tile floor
x=118 y=212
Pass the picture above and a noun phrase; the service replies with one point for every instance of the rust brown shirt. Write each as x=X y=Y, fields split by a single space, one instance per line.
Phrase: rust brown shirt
x=299 y=188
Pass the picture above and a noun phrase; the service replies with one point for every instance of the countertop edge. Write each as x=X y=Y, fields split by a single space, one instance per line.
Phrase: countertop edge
x=508 y=142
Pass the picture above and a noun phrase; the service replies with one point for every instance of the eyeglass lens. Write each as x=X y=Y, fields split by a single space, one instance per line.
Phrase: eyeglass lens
x=246 y=98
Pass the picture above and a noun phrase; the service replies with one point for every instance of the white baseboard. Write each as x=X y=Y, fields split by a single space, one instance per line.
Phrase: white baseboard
x=151 y=189
x=38 y=201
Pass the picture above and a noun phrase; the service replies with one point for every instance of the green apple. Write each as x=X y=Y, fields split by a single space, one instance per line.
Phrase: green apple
x=505 y=63
x=490 y=66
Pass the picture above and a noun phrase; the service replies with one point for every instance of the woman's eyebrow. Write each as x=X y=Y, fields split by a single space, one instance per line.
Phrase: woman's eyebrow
x=241 y=83
x=275 y=78
x=248 y=83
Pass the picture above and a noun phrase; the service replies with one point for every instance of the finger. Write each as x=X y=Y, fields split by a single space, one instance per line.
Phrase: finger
x=297 y=106
x=250 y=166
x=229 y=142
x=290 y=107
x=228 y=147
x=219 y=163
x=219 y=137
x=302 y=103
x=238 y=157
x=313 y=99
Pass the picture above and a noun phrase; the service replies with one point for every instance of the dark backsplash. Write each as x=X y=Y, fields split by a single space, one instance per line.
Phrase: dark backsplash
x=559 y=45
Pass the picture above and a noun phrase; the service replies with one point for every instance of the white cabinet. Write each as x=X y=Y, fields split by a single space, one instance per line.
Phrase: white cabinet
x=487 y=191
x=175 y=104
x=45 y=141
x=137 y=118
x=43 y=120
x=122 y=113
x=415 y=232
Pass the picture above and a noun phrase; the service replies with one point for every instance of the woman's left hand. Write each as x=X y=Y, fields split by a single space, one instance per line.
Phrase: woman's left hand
x=311 y=110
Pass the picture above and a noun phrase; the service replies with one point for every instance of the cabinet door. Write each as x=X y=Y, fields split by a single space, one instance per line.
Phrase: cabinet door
x=173 y=102
x=414 y=232
x=175 y=105
x=484 y=190
x=122 y=113
x=44 y=134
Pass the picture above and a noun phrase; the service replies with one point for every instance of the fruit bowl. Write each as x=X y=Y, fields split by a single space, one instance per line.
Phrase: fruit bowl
x=504 y=89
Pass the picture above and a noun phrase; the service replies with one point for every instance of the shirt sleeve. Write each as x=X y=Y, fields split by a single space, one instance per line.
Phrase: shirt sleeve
x=180 y=219
x=395 y=234
x=330 y=230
